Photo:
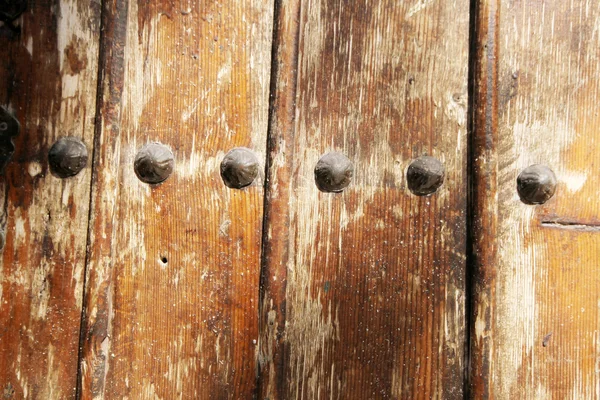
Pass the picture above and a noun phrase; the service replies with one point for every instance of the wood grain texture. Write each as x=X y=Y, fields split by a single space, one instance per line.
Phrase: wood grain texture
x=172 y=293
x=536 y=310
x=373 y=277
x=48 y=76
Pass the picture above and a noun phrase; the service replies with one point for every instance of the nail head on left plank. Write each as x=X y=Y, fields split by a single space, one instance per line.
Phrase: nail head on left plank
x=67 y=157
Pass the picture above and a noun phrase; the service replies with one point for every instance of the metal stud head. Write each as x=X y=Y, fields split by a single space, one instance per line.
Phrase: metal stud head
x=425 y=175
x=536 y=184
x=67 y=157
x=9 y=128
x=333 y=172
x=239 y=168
x=154 y=163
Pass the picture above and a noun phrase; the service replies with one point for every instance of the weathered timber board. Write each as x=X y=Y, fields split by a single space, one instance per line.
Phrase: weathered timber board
x=48 y=75
x=172 y=294
x=364 y=290
x=535 y=331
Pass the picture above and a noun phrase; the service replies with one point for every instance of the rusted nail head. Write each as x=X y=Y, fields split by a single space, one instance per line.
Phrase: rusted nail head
x=536 y=184
x=333 y=172
x=239 y=168
x=154 y=163
x=67 y=157
x=425 y=175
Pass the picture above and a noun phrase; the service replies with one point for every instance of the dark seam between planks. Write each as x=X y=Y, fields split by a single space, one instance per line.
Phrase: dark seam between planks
x=469 y=265
x=104 y=47
x=278 y=44
x=482 y=177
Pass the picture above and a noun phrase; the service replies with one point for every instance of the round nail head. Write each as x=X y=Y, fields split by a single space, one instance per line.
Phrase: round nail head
x=67 y=157
x=153 y=163
x=536 y=184
x=425 y=175
x=333 y=172
x=239 y=168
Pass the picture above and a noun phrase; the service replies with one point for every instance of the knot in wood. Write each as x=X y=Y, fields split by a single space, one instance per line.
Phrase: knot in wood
x=239 y=168
x=333 y=172
x=67 y=157
x=154 y=163
x=536 y=184
x=425 y=175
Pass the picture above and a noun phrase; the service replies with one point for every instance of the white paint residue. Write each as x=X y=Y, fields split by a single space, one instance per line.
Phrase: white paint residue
x=19 y=233
x=573 y=180
x=224 y=74
x=70 y=86
x=34 y=169
x=29 y=45
x=189 y=111
x=69 y=26
x=142 y=77
x=199 y=165
x=418 y=7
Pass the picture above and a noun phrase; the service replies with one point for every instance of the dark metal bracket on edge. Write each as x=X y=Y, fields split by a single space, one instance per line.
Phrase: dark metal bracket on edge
x=9 y=128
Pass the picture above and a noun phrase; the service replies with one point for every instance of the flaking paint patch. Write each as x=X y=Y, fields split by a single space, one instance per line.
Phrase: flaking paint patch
x=29 y=45
x=574 y=181
x=142 y=77
x=52 y=375
x=180 y=368
x=419 y=6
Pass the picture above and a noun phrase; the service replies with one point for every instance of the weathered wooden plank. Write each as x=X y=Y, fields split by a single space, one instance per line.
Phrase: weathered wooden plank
x=373 y=277
x=172 y=295
x=48 y=75
x=537 y=80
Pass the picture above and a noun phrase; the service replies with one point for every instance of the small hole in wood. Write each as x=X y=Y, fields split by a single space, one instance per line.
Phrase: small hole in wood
x=164 y=260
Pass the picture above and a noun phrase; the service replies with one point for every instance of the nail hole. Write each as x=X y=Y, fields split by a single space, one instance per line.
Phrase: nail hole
x=164 y=260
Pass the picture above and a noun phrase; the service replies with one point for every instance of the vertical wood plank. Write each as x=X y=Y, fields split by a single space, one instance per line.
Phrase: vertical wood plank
x=48 y=76
x=537 y=302
x=373 y=277
x=172 y=300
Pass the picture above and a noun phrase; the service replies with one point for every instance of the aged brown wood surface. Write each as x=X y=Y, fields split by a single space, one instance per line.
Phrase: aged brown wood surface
x=172 y=291
x=48 y=75
x=373 y=277
x=536 y=310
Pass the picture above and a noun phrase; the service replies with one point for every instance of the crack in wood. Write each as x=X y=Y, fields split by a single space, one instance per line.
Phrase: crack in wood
x=571 y=225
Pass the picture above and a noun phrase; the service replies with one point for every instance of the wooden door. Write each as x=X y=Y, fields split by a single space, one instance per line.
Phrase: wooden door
x=381 y=252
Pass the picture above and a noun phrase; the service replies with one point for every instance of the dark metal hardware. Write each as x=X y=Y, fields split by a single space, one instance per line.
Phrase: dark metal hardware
x=9 y=128
x=67 y=157
x=425 y=175
x=239 y=168
x=333 y=172
x=536 y=184
x=154 y=163
x=11 y=9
